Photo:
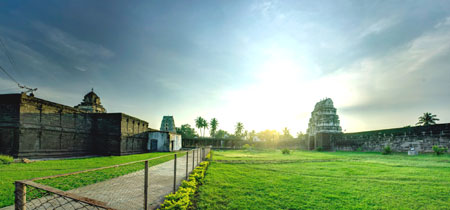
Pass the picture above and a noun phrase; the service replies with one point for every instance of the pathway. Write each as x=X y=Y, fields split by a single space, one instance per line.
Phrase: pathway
x=127 y=192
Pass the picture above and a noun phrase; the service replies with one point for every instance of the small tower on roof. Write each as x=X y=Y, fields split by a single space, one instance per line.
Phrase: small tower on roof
x=168 y=124
x=91 y=103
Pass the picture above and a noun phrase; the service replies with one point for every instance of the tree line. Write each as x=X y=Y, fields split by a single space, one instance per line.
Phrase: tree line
x=212 y=125
x=187 y=131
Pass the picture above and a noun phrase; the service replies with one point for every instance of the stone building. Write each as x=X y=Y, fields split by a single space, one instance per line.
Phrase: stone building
x=166 y=139
x=323 y=125
x=34 y=128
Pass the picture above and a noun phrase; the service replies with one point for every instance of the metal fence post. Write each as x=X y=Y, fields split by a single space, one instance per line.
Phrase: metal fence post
x=174 y=173
x=198 y=157
x=211 y=154
x=193 y=161
x=187 y=164
x=20 y=196
x=146 y=186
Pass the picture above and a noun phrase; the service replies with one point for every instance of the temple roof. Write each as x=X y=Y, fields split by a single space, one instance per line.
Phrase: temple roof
x=91 y=103
x=324 y=103
x=91 y=98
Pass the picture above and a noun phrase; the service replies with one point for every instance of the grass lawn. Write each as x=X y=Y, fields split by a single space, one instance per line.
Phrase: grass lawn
x=325 y=180
x=20 y=171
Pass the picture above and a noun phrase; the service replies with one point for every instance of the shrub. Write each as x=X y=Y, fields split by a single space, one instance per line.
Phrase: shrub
x=285 y=151
x=247 y=147
x=182 y=199
x=359 y=149
x=6 y=159
x=319 y=149
x=386 y=150
x=439 y=150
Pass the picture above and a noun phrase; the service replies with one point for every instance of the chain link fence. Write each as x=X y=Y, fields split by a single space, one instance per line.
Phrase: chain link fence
x=135 y=185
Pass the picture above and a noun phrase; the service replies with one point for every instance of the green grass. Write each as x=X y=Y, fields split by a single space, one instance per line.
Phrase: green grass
x=21 y=171
x=325 y=180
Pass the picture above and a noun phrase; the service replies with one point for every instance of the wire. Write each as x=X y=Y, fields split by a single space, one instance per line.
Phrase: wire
x=10 y=58
x=7 y=74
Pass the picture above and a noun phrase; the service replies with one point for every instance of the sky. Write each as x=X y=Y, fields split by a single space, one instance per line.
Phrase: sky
x=262 y=63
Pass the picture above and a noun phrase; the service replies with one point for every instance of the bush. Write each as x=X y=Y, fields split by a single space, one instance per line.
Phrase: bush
x=182 y=199
x=386 y=150
x=6 y=159
x=439 y=150
x=285 y=151
x=247 y=147
x=319 y=149
x=359 y=149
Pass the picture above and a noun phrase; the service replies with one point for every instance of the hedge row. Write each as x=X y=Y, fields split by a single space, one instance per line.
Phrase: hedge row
x=182 y=199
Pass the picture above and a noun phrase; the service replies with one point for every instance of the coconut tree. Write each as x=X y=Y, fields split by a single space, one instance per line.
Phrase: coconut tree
x=205 y=125
x=213 y=123
x=239 y=129
x=199 y=123
x=427 y=119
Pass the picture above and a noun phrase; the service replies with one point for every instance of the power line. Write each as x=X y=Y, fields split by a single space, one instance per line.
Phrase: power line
x=10 y=77
x=10 y=58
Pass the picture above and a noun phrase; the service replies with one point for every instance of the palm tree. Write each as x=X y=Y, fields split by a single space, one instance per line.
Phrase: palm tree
x=239 y=129
x=199 y=124
x=214 y=123
x=427 y=119
x=205 y=125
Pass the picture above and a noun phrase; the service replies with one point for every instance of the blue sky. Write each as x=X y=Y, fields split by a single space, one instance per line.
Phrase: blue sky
x=264 y=63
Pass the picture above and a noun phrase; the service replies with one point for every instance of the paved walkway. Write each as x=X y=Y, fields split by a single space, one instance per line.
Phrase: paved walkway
x=127 y=192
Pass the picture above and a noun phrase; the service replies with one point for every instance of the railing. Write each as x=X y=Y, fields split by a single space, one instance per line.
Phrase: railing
x=132 y=185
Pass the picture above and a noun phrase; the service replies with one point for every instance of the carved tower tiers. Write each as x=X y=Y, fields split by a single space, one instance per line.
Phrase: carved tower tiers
x=323 y=125
x=168 y=124
x=91 y=103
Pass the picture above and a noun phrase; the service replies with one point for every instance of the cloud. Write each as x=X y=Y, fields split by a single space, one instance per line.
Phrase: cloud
x=379 y=26
x=69 y=45
x=443 y=23
x=81 y=68
x=401 y=82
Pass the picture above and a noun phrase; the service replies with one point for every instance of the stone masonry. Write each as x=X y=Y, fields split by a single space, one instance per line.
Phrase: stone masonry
x=33 y=127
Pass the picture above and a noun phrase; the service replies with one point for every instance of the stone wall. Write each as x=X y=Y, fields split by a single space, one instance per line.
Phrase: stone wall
x=32 y=127
x=134 y=135
x=216 y=143
x=9 y=122
x=36 y=128
x=422 y=138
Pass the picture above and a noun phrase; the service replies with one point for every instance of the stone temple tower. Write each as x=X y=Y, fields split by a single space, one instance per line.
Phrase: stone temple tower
x=91 y=103
x=323 y=125
x=168 y=124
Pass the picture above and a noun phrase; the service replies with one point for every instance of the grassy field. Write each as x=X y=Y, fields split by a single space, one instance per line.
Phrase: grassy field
x=20 y=171
x=325 y=180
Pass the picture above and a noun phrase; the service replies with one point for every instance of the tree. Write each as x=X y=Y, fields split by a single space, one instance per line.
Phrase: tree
x=427 y=119
x=251 y=135
x=205 y=125
x=221 y=134
x=213 y=123
x=201 y=123
x=268 y=135
x=286 y=134
x=186 y=131
x=245 y=134
x=300 y=135
x=239 y=128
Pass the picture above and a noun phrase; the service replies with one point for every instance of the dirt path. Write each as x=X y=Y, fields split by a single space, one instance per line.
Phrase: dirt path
x=127 y=192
